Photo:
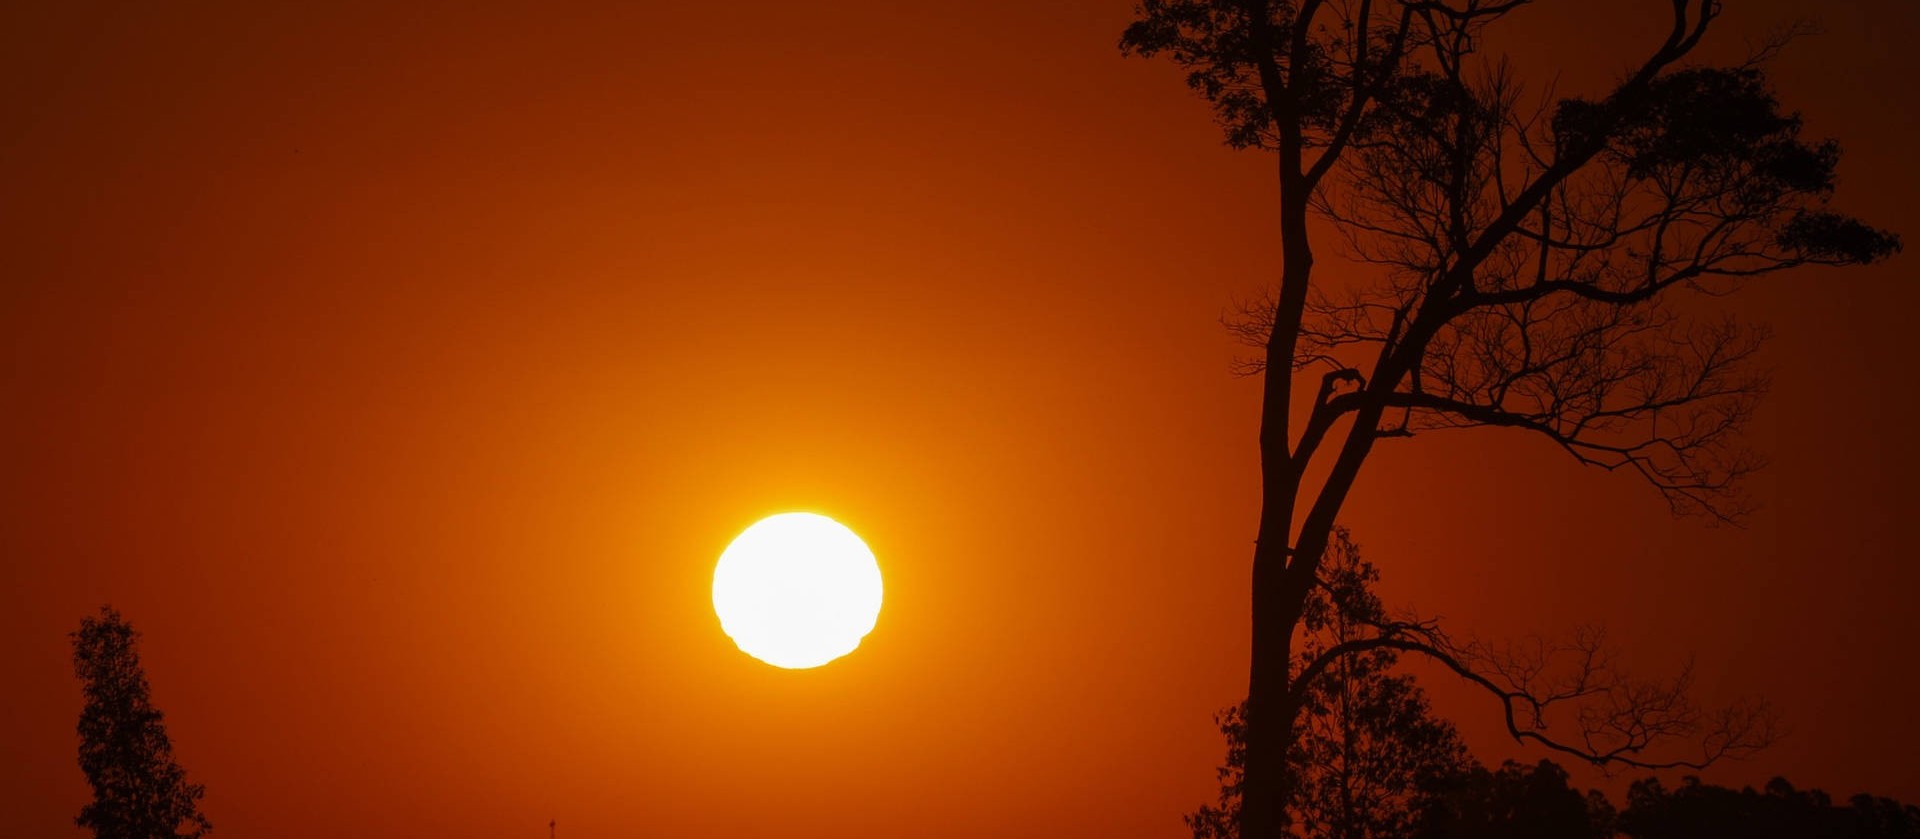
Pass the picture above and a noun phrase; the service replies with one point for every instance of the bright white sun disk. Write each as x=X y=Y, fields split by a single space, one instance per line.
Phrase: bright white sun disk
x=797 y=590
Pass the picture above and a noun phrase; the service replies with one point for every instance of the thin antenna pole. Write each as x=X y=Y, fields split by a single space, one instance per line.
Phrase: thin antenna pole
x=550 y=825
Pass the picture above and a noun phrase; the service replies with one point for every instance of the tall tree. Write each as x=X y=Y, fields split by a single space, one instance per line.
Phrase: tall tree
x=1370 y=751
x=1530 y=261
x=139 y=792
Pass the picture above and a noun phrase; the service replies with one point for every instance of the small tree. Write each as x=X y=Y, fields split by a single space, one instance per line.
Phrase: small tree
x=1370 y=751
x=139 y=792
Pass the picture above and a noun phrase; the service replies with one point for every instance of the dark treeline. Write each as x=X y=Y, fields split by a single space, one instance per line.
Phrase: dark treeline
x=1373 y=761
x=1517 y=801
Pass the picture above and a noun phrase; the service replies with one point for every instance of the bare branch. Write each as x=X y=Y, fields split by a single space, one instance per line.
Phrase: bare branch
x=1566 y=694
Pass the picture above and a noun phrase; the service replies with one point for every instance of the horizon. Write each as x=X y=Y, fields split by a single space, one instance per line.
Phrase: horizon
x=401 y=373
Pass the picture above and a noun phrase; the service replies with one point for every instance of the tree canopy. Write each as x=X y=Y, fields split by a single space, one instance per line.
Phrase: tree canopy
x=139 y=791
x=1539 y=263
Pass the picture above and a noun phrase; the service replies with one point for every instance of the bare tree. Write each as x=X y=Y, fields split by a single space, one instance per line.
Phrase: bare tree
x=1541 y=268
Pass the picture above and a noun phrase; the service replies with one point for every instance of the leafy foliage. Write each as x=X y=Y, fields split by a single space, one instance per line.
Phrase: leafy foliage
x=139 y=792
x=1369 y=749
x=1225 y=47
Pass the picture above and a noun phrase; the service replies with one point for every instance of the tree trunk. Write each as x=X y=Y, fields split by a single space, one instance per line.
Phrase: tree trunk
x=1269 y=714
x=1277 y=595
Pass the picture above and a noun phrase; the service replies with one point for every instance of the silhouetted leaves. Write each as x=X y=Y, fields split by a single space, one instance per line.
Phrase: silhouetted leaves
x=139 y=792
x=1225 y=46
x=1369 y=749
x=1832 y=237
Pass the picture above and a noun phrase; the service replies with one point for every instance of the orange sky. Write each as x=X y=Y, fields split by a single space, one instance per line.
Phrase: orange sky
x=401 y=373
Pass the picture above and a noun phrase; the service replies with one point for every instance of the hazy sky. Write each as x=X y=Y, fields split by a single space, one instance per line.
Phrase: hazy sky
x=401 y=369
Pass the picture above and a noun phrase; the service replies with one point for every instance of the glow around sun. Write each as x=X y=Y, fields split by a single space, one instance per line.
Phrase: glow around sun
x=797 y=590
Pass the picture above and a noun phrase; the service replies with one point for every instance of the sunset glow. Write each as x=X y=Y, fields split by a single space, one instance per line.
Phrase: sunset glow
x=511 y=420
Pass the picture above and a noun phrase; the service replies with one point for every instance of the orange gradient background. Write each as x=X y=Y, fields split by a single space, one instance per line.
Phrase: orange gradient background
x=400 y=370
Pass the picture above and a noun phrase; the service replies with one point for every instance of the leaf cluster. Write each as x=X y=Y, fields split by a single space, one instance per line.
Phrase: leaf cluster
x=139 y=791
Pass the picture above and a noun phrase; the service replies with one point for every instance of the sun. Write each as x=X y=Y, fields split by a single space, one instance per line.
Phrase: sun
x=797 y=590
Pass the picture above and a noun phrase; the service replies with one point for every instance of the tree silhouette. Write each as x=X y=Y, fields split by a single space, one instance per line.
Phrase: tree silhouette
x=1515 y=801
x=139 y=792
x=1525 y=802
x=1370 y=750
x=1530 y=260
x=1778 y=812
